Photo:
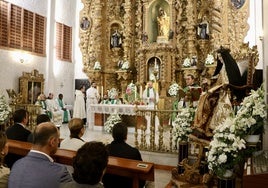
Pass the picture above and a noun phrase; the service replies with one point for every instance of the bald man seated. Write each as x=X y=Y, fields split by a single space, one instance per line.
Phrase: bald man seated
x=37 y=168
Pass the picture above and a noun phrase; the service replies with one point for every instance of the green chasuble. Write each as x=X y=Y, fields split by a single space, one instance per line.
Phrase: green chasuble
x=65 y=114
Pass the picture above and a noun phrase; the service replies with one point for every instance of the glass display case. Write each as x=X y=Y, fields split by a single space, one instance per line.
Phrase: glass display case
x=31 y=86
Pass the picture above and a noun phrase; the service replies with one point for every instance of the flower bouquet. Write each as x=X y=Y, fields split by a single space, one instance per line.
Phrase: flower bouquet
x=187 y=62
x=224 y=148
x=209 y=60
x=182 y=125
x=125 y=65
x=5 y=110
x=97 y=66
x=173 y=89
x=111 y=121
x=250 y=116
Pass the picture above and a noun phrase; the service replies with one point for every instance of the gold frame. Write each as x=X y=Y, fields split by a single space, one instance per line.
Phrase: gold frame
x=31 y=85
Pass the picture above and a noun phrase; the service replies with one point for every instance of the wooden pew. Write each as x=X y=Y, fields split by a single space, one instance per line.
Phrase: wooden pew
x=137 y=170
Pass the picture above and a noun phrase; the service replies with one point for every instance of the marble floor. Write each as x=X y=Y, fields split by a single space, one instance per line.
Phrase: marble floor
x=162 y=177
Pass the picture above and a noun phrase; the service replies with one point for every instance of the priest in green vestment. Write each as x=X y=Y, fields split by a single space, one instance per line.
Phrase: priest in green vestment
x=66 y=112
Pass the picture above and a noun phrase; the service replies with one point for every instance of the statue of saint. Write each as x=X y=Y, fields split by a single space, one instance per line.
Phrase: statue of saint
x=163 y=23
x=116 y=40
x=203 y=29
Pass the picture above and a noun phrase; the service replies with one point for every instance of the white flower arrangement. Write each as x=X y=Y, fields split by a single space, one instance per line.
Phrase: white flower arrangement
x=5 y=110
x=173 y=89
x=187 y=62
x=250 y=116
x=228 y=141
x=209 y=60
x=97 y=66
x=182 y=125
x=125 y=65
x=111 y=121
x=112 y=93
x=225 y=147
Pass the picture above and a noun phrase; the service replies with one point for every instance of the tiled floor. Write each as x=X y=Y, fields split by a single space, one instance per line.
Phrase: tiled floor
x=162 y=177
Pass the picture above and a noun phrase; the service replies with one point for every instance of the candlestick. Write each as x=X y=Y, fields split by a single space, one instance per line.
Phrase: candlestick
x=141 y=91
x=135 y=92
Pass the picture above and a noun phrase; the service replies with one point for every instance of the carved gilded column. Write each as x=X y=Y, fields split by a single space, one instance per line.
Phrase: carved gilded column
x=96 y=43
x=191 y=22
x=127 y=30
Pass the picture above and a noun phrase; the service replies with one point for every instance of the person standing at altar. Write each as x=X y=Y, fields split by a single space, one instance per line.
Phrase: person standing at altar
x=79 y=104
x=151 y=98
x=150 y=95
x=192 y=90
x=93 y=97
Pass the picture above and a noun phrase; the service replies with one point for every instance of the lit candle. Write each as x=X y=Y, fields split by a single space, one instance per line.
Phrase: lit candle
x=135 y=92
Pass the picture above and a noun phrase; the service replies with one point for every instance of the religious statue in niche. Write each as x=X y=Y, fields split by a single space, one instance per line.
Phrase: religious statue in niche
x=237 y=3
x=116 y=39
x=84 y=23
x=163 y=22
x=144 y=37
x=203 y=29
x=154 y=69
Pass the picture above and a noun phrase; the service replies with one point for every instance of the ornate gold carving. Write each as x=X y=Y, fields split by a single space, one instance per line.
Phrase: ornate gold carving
x=31 y=85
x=227 y=26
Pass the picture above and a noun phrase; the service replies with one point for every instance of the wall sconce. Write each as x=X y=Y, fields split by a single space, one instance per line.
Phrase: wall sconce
x=21 y=60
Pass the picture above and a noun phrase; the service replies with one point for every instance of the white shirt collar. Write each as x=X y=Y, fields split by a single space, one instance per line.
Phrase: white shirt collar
x=22 y=125
x=36 y=151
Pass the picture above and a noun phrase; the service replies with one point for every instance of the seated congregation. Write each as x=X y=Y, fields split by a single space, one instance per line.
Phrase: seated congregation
x=41 y=167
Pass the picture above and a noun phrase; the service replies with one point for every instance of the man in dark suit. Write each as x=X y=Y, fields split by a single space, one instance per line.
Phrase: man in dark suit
x=119 y=148
x=37 y=168
x=18 y=131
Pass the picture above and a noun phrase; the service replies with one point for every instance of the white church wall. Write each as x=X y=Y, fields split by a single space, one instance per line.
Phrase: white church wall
x=59 y=75
x=12 y=68
x=255 y=33
x=265 y=60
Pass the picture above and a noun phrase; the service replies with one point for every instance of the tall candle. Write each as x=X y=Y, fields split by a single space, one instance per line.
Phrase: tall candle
x=135 y=92
x=101 y=91
x=140 y=91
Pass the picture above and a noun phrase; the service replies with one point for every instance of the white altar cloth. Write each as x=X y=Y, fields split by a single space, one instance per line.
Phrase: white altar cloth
x=122 y=109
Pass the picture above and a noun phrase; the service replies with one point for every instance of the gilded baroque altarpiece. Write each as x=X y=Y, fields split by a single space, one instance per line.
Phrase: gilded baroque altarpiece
x=115 y=31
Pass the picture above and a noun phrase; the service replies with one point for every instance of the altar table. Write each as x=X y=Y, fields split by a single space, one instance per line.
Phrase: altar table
x=122 y=109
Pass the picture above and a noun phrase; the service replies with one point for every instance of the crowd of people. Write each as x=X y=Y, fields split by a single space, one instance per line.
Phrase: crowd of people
x=38 y=169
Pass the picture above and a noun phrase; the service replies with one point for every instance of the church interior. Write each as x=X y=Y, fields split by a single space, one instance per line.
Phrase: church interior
x=115 y=43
